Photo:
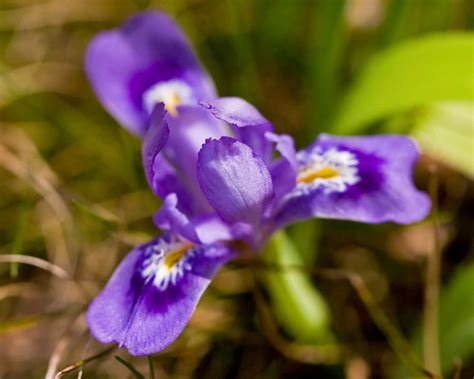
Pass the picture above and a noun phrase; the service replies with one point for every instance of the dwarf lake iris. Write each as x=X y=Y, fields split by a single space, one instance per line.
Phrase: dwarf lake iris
x=225 y=177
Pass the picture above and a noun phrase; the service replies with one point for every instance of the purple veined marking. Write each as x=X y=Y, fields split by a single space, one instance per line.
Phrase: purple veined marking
x=332 y=170
x=172 y=93
x=166 y=262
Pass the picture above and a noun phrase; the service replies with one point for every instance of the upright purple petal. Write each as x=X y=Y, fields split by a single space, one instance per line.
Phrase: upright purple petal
x=165 y=181
x=122 y=64
x=188 y=132
x=170 y=150
x=155 y=139
x=284 y=169
x=249 y=125
x=235 y=181
x=367 y=179
x=146 y=304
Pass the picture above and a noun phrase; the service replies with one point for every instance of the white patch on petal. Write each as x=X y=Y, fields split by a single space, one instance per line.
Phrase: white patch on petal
x=333 y=170
x=172 y=93
x=166 y=262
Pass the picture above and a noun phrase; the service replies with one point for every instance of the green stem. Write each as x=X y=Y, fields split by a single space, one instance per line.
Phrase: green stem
x=431 y=355
x=150 y=365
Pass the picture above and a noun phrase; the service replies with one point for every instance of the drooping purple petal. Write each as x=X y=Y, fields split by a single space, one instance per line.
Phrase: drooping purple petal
x=378 y=188
x=235 y=181
x=146 y=314
x=249 y=125
x=122 y=64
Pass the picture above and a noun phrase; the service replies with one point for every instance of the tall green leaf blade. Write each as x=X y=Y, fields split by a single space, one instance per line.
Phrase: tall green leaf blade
x=326 y=57
x=434 y=68
x=299 y=307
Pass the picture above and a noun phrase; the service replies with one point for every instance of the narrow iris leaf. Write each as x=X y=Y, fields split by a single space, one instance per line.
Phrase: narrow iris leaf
x=298 y=305
x=326 y=56
x=410 y=74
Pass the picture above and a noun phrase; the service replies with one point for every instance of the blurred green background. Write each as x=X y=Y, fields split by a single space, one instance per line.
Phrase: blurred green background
x=73 y=193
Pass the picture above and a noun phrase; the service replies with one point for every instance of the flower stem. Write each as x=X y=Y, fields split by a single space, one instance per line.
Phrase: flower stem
x=432 y=284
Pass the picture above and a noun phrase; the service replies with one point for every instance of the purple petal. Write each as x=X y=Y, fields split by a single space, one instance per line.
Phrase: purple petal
x=249 y=125
x=171 y=163
x=166 y=181
x=235 y=181
x=170 y=218
x=188 y=132
x=383 y=190
x=155 y=139
x=211 y=228
x=283 y=170
x=123 y=63
x=135 y=310
x=205 y=228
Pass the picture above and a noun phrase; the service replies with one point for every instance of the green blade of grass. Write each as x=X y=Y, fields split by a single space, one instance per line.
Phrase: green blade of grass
x=325 y=60
x=20 y=233
x=150 y=365
x=131 y=367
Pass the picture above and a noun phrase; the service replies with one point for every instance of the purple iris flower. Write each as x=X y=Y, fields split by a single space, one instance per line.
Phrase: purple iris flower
x=153 y=292
x=224 y=176
x=146 y=72
x=261 y=184
x=146 y=61
x=171 y=145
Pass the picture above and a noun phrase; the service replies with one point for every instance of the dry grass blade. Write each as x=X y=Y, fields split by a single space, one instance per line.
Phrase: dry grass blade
x=37 y=262
x=61 y=347
x=59 y=12
x=83 y=362
x=55 y=358
x=25 y=289
x=28 y=166
x=19 y=155
x=27 y=321
x=37 y=78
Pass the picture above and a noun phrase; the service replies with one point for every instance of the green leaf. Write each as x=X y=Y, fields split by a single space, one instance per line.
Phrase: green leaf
x=299 y=307
x=457 y=319
x=418 y=72
x=445 y=131
x=456 y=322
